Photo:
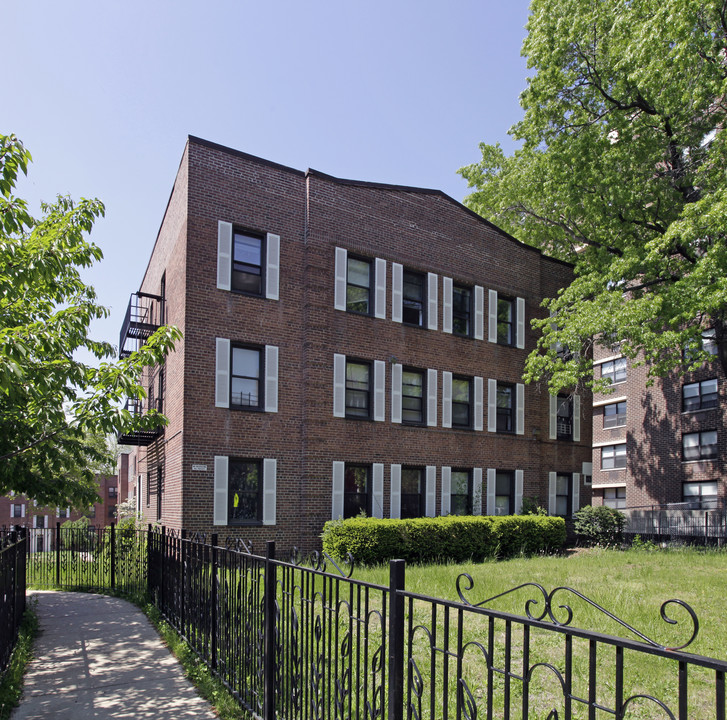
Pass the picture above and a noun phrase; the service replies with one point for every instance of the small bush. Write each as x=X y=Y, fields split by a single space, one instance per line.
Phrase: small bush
x=454 y=538
x=600 y=525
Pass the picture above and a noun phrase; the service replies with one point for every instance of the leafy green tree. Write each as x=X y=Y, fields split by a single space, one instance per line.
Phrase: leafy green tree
x=53 y=407
x=620 y=171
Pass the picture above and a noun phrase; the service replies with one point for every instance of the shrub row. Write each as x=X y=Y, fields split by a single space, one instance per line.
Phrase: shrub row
x=452 y=538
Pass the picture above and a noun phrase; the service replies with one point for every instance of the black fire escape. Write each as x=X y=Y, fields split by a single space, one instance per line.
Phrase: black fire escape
x=144 y=316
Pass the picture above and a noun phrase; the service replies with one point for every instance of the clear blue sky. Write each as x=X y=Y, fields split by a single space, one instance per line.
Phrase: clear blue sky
x=104 y=95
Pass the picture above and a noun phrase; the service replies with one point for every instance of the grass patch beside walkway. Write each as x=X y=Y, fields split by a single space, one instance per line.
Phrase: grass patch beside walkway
x=11 y=682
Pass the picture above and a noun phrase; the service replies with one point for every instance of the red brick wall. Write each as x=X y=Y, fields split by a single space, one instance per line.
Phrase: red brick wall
x=423 y=230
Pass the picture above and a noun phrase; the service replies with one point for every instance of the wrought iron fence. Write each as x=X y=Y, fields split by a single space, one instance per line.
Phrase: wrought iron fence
x=12 y=592
x=300 y=641
x=678 y=522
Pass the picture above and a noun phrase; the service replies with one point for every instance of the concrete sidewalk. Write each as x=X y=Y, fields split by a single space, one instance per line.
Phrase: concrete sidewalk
x=99 y=657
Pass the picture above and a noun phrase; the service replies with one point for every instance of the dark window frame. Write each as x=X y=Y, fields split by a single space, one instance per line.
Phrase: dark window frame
x=509 y=475
x=17 y=510
x=252 y=235
x=351 y=411
x=462 y=315
x=614 y=374
x=369 y=289
x=701 y=403
x=615 y=457
x=619 y=418
x=468 y=499
x=506 y=326
x=469 y=404
x=257 y=494
x=614 y=502
x=704 y=450
x=260 y=377
x=701 y=501
x=420 y=495
x=564 y=421
x=423 y=399
x=349 y=506
x=568 y=494
x=505 y=415
x=421 y=303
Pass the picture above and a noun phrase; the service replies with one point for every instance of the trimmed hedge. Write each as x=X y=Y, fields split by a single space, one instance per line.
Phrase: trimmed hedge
x=452 y=538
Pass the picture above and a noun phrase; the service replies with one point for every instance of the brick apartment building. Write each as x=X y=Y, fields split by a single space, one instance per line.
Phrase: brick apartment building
x=662 y=445
x=348 y=347
x=20 y=511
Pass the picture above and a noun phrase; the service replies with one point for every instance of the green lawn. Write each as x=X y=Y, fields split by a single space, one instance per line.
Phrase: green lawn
x=632 y=585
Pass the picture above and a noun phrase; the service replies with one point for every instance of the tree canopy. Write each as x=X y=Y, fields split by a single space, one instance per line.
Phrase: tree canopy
x=622 y=172
x=53 y=406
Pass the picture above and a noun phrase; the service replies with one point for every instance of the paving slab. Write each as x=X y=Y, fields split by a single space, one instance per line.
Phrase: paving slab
x=99 y=657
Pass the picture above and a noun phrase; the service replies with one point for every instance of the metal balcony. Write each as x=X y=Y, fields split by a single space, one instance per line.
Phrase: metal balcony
x=140 y=437
x=144 y=316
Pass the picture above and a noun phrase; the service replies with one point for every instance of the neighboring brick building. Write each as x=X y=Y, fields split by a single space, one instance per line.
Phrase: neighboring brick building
x=348 y=346
x=662 y=445
x=20 y=511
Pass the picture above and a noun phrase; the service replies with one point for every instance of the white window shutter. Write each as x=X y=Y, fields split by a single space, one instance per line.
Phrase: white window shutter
x=58 y=510
x=446 y=399
x=272 y=267
x=45 y=521
x=431 y=491
x=339 y=302
x=270 y=479
x=395 y=501
x=22 y=510
x=576 y=418
x=337 y=490
x=576 y=492
x=271 y=378
x=491 y=406
x=219 y=513
x=553 y=425
x=379 y=390
x=224 y=255
x=447 y=304
x=479 y=402
x=446 y=490
x=396 y=375
x=519 y=409
x=380 y=284
x=431 y=398
x=491 y=487
x=397 y=292
x=377 y=491
x=477 y=491
x=68 y=511
x=492 y=316
x=479 y=312
x=339 y=385
x=222 y=373
x=432 y=301
x=520 y=326
x=551 y=493
x=518 y=491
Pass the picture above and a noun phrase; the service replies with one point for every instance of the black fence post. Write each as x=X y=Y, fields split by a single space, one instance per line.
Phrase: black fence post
x=397 y=580
x=182 y=581
x=269 y=632
x=149 y=563
x=162 y=578
x=58 y=554
x=213 y=585
x=113 y=556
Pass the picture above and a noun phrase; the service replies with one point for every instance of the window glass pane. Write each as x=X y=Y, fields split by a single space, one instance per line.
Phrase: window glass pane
x=410 y=480
x=248 y=250
x=504 y=396
x=243 y=491
x=412 y=383
x=358 y=272
x=460 y=483
x=502 y=483
x=561 y=485
x=691 y=489
x=356 y=488
x=244 y=392
x=413 y=287
x=561 y=505
x=246 y=362
x=460 y=390
x=357 y=299
x=502 y=505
